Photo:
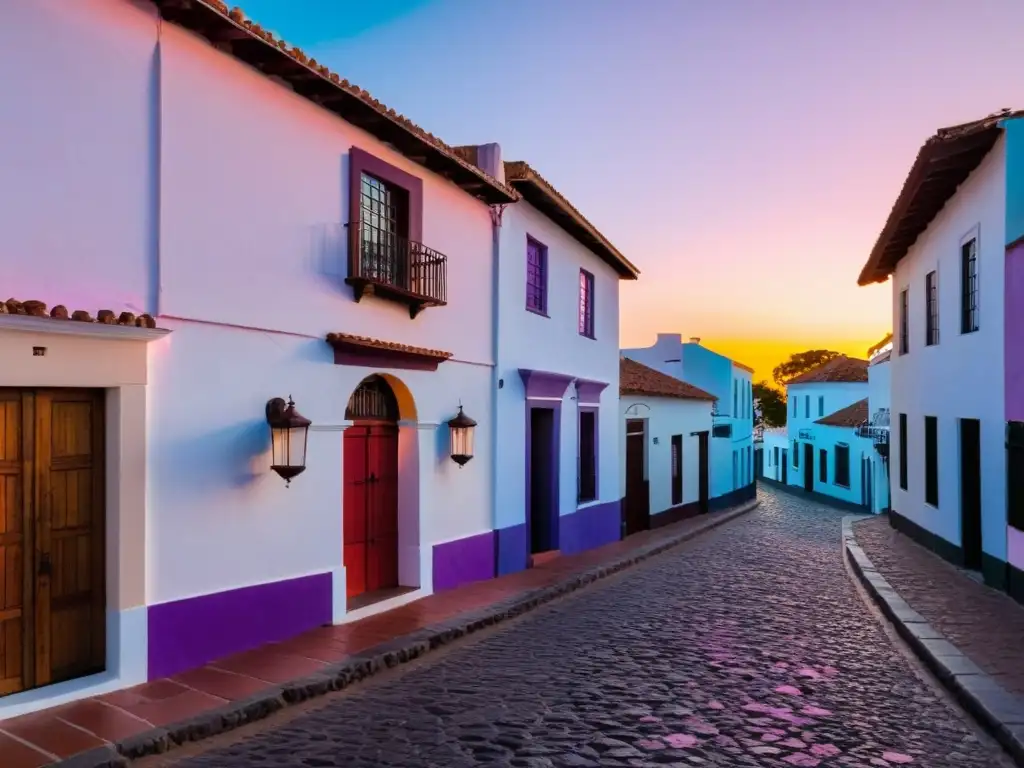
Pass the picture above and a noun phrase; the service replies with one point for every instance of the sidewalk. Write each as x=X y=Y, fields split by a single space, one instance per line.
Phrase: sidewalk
x=108 y=730
x=968 y=634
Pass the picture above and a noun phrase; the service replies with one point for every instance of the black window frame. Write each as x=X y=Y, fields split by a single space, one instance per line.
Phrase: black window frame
x=677 y=469
x=822 y=465
x=807 y=406
x=796 y=454
x=585 y=306
x=537 y=277
x=931 y=461
x=842 y=468
x=776 y=455
x=586 y=471
x=904 y=484
x=821 y=406
x=931 y=304
x=970 y=305
x=904 y=318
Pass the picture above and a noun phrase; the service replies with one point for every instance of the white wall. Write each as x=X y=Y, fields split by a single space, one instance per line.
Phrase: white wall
x=774 y=438
x=78 y=201
x=836 y=395
x=664 y=418
x=553 y=344
x=962 y=376
x=880 y=398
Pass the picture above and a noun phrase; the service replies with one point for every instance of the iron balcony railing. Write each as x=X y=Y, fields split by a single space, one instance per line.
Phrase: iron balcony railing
x=384 y=263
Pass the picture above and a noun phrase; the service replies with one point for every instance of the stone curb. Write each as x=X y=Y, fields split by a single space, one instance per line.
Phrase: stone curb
x=362 y=665
x=998 y=710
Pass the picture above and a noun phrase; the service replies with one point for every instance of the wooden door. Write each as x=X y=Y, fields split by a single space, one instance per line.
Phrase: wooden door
x=382 y=508
x=970 y=492
x=637 y=496
x=808 y=467
x=704 y=469
x=52 y=546
x=354 y=513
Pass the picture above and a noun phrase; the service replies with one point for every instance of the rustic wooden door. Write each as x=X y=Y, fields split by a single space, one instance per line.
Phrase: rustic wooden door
x=356 y=493
x=637 y=495
x=52 y=546
x=382 y=509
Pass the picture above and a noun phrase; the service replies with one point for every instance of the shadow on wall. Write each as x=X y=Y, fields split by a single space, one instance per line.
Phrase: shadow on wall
x=233 y=457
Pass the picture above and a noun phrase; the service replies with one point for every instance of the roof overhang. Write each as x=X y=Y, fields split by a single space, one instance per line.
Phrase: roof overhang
x=246 y=41
x=350 y=349
x=541 y=195
x=943 y=163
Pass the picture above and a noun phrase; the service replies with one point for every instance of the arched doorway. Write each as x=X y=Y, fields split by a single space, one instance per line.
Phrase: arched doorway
x=371 y=489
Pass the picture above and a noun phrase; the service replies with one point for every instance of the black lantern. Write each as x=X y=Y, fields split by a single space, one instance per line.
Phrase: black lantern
x=461 y=430
x=288 y=432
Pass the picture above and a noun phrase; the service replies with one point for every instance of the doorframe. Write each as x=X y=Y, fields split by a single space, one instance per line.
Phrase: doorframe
x=555 y=469
x=113 y=359
x=808 y=466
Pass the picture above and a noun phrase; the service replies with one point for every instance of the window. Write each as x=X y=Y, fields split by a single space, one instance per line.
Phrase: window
x=823 y=465
x=735 y=469
x=931 y=460
x=384 y=220
x=969 y=286
x=721 y=430
x=903 y=451
x=586 y=304
x=776 y=455
x=807 y=406
x=794 y=405
x=735 y=398
x=536 y=276
x=587 y=474
x=931 y=294
x=904 y=321
x=821 y=406
x=750 y=465
x=842 y=470
x=796 y=454
x=677 y=469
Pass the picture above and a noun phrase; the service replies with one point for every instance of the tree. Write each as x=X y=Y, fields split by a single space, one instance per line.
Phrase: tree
x=801 y=362
x=772 y=402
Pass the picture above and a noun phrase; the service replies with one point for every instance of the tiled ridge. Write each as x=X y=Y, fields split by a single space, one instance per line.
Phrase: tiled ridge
x=33 y=308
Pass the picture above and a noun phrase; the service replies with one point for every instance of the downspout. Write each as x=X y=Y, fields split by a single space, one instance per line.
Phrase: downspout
x=497 y=212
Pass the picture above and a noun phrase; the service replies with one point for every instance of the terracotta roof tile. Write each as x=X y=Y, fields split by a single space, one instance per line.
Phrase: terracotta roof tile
x=539 y=192
x=34 y=308
x=351 y=340
x=746 y=368
x=942 y=164
x=838 y=369
x=851 y=416
x=638 y=379
x=309 y=78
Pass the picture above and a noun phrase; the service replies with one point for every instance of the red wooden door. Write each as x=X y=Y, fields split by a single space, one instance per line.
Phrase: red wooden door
x=354 y=511
x=382 y=553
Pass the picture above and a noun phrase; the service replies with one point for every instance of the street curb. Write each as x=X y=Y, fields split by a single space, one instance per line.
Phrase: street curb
x=368 y=663
x=999 y=711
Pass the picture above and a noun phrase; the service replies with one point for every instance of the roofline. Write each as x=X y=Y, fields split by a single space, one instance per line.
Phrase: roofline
x=878 y=345
x=943 y=162
x=229 y=31
x=822 y=421
x=744 y=367
x=539 y=192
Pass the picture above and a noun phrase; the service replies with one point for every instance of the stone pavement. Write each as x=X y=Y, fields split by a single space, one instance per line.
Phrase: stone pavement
x=749 y=646
x=986 y=625
x=237 y=689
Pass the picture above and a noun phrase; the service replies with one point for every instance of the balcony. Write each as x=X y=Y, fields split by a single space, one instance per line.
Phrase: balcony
x=877 y=430
x=383 y=264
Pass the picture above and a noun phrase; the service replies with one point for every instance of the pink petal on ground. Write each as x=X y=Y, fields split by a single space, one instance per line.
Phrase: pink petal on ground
x=789 y=690
x=755 y=706
x=897 y=757
x=781 y=665
x=779 y=711
x=770 y=737
x=650 y=744
x=793 y=744
x=681 y=740
x=650 y=719
x=716 y=705
x=830 y=671
x=808 y=672
x=816 y=711
x=825 y=750
x=802 y=759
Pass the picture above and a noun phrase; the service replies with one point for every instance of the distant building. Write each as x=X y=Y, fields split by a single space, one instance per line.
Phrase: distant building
x=732 y=433
x=877 y=427
x=953 y=246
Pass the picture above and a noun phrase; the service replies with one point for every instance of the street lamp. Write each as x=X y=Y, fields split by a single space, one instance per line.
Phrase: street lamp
x=289 y=431
x=461 y=429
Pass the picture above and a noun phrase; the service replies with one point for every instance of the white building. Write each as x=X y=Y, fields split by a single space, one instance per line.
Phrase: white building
x=665 y=464
x=557 y=374
x=877 y=427
x=732 y=438
x=775 y=446
x=952 y=247
x=292 y=237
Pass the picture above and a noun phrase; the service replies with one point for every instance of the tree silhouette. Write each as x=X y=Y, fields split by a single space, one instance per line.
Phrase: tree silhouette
x=772 y=402
x=801 y=362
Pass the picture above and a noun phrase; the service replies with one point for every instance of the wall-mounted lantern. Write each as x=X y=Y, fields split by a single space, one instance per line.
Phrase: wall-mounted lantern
x=288 y=432
x=461 y=430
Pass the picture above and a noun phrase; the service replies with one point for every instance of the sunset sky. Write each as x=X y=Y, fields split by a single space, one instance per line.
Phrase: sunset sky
x=743 y=153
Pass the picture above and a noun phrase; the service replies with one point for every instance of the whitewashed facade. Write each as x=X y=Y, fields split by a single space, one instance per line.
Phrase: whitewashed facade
x=665 y=458
x=248 y=234
x=732 y=436
x=878 y=427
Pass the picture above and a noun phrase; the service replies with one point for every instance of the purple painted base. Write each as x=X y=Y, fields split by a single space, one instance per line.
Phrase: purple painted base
x=590 y=527
x=513 y=549
x=189 y=633
x=463 y=561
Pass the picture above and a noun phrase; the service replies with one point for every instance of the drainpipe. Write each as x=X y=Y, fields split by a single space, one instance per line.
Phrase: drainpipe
x=496 y=214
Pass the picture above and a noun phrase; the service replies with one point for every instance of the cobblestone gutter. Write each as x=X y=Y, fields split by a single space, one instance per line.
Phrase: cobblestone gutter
x=368 y=663
x=998 y=710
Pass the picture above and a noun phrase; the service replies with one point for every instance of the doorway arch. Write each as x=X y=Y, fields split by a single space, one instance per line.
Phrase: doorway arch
x=370 y=480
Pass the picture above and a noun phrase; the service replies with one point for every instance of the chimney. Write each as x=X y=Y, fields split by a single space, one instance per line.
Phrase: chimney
x=486 y=157
x=668 y=338
x=695 y=340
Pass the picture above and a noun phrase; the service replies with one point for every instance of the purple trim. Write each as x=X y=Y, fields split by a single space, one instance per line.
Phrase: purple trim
x=513 y=549
x=383 y=358
x=589 y=392
x=360 y=161
x=189 y=633
x=1014 y=335
x=553 y=468
x=587 y=324
x=590 y=527
x=545 y=385
x=464 y=560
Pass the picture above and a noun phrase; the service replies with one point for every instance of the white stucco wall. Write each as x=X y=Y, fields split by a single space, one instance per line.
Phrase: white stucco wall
x=962 y=376
x=664 y=418
x=553 y=344
x=774 y=438
x=879 y=399
x=832 y=396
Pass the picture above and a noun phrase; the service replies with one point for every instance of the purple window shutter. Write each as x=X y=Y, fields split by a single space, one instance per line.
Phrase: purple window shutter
x=536 y=277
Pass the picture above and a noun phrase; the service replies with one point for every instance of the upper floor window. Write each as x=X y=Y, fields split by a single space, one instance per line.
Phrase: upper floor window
x=536 y=276
x=735 y=398
x=821 y=406
x=931 y=294
x=969 y=320
x=904 y=321
x=795 y=405
x=586 y=304
x=807 y=406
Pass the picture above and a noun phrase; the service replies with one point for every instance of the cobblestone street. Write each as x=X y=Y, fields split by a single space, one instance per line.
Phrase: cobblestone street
x=748 y=646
